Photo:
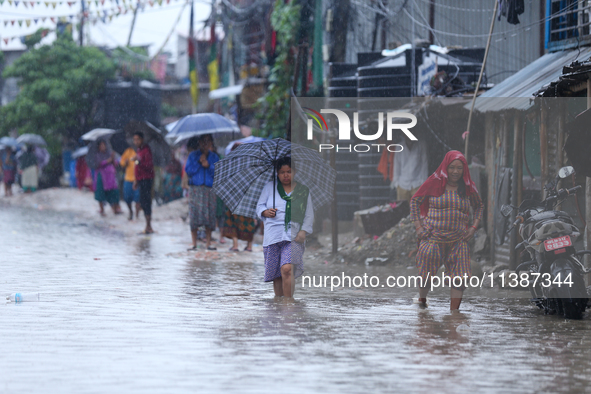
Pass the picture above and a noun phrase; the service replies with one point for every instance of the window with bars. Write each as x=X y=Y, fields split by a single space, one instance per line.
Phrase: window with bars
x=567 y=23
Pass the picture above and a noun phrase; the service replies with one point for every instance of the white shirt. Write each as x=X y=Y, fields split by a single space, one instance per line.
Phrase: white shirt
x=410 y=166
x=275 y=227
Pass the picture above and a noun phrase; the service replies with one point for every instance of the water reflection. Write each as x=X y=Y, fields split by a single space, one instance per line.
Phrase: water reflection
x=124 y=315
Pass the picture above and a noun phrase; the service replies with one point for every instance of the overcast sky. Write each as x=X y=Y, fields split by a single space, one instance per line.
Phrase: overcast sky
x=153 y=24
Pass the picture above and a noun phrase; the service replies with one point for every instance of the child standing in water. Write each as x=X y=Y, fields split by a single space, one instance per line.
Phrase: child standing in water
x=287 y=219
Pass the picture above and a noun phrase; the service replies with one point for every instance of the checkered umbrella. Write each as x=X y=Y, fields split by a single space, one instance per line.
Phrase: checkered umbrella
x=240 y=177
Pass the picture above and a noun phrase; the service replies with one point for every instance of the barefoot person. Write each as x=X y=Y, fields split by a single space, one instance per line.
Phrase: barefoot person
x=105 y=179
x=286 y=226
x=130 y=195
x=237 y=227
x=440 y=210
x=29 y=170
x=8 y=166
x=200 y=168
x=144 y=178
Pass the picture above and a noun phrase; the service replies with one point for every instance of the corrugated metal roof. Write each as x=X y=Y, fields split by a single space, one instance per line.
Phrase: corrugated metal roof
x=516 y=91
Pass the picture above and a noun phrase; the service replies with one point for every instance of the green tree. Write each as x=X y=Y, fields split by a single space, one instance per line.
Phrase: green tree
x=60 y=85
x=274 y=106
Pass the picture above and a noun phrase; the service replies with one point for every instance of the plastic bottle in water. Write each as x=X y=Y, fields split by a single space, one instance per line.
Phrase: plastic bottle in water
x=21 y=297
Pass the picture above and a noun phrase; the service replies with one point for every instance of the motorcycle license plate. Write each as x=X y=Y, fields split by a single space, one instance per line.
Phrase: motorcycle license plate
x=557 y=243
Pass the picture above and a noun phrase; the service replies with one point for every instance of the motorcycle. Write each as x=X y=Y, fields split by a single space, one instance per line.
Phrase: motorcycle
x=553 y=273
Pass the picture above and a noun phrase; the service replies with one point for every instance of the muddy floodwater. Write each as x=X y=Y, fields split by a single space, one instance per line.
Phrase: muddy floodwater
x=123 y=314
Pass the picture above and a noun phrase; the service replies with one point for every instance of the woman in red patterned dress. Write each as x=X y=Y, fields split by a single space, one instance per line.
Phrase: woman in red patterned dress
x=441 y=211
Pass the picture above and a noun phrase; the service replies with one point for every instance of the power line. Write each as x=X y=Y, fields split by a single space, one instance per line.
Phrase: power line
x=483 y=10
x=537 y=23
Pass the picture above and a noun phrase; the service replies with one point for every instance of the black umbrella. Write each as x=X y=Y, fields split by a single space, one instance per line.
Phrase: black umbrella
x=240 y=177
x=161 y=152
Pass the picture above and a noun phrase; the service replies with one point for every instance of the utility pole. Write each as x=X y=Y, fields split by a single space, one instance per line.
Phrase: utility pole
x=342 y=9
x=431 y=21
x=81 y=32
x=133 y=23
x=413 y=66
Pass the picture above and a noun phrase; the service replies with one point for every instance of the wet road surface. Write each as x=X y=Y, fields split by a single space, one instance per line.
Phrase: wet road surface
x=125 y=315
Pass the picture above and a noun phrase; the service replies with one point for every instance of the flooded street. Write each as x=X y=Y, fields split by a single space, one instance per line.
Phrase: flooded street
x=133 y=314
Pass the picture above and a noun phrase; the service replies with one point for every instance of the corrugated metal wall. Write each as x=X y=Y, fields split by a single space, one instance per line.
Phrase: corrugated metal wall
x=457 y=22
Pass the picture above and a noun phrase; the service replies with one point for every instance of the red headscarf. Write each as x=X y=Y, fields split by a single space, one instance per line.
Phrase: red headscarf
x=435 y=185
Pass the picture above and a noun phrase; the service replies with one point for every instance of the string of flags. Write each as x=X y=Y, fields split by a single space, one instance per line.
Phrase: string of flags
x=120 y=5
x=54 y=4
x=103 y=15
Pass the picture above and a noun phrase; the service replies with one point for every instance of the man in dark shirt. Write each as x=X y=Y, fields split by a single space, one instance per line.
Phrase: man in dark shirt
x=144 y=177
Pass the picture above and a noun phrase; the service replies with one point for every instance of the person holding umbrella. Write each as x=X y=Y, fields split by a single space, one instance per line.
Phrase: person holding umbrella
x=200 y=169
x=29 y=170
x=259 y=180
x=144 y=177
x=105 y=180
x=8 y=166
x=288 y=216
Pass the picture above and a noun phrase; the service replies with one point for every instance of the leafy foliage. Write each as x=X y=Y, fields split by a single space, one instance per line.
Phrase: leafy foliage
x=274 y=106
x=60 y=87
x=35 y=38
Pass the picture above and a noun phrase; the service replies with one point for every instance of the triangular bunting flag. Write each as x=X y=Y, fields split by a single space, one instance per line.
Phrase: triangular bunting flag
x=12 y=23
x=20 y=23
x=54 y=5
x=28 y=22
x=52 y=19
x=47 y=4
x=5 y=23
x=43 y=19
x=151 y=3
x=32 y=4
x=10 y=2
x=25 y=4
x=35 y=20
x=16 y=3
x=6 y=40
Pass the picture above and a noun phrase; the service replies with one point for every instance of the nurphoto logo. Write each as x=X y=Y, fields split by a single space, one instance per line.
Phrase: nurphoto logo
x=344 y=129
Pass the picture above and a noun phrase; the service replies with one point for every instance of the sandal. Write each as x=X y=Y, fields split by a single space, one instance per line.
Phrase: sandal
x=247 y=250
x=234 y=250
x=212 y=248
x=192 y=248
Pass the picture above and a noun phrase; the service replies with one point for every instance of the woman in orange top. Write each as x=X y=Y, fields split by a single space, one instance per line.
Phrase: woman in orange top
x=130 y=195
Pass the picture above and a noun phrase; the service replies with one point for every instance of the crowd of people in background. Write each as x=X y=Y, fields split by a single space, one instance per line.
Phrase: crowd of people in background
x=22 y=167
x=193 y=180
x=286 y=224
